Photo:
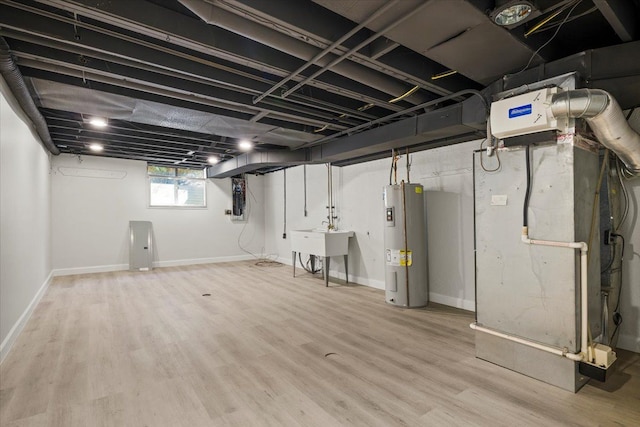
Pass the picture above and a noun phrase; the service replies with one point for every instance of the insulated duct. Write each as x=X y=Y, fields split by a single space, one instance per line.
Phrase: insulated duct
x=605 y=117
x=16 y=83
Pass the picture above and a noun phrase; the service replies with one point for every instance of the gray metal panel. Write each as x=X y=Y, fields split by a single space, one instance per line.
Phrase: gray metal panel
x=534 y=291
x=395 y=275
x=140 y=245
x=538 y=364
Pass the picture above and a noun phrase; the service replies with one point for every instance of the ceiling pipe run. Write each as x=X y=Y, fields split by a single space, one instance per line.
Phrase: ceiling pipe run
x=221 y=18
x=606 y=119
x=16 y=83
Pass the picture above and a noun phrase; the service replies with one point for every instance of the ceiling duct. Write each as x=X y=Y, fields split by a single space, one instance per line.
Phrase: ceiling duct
x=606 y=119
x=221 y=18
x=16 y=83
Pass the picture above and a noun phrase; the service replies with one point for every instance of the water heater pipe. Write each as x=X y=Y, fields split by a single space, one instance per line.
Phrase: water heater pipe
x=605 y=118
x=331 y=217
x=406 y=243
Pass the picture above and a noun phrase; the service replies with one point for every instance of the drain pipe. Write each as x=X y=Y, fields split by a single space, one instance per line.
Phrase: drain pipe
x=331 y=216
x=605 y=118
x=13 y=77
x=584 y=250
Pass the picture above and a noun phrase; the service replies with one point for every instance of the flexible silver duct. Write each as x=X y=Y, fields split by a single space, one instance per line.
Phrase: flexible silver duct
x=16 y=83
x=605 y=117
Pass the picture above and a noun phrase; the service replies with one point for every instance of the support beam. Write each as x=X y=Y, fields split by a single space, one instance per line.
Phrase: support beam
x=381 y=46
x=621 y=15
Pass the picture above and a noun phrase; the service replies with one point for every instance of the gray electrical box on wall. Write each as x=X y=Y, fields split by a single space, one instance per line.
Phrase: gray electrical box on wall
x=140 y=246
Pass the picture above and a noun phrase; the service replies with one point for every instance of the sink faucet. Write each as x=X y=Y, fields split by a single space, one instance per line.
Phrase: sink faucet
x=329 y=226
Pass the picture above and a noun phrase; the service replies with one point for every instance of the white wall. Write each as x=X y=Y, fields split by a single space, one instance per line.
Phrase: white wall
x=446 y=174
x=91 y=218
x=630 y=298
x=25 y=219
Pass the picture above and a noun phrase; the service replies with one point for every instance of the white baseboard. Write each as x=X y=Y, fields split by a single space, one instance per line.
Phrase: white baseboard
x=171 y=263
x=87 y=270
x=464 y=304
x=194 y=261
x=629 y=342
x=379 y=284
x=11 y=337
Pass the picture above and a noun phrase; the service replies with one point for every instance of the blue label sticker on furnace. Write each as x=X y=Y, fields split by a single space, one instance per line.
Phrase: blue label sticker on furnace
x=523 y=110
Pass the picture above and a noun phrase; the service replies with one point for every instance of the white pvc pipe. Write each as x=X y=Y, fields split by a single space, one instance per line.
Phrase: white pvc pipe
x=559 y=352
x=584 y=250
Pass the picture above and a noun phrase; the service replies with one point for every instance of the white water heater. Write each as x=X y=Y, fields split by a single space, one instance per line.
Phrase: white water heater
x=405 y=246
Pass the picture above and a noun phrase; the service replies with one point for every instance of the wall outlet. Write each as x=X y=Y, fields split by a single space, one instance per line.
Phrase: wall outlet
x=284 y=235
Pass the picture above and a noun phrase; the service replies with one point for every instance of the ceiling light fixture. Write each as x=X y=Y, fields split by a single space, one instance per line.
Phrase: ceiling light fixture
x=212 y=160
x=96 y=147
x=98 y=122
x=511 y=13
x=245 y=145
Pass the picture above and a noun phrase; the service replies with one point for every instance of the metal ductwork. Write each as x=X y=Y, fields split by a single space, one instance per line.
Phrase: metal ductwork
x=16 y=83
x=606 y=119
x=219 y=17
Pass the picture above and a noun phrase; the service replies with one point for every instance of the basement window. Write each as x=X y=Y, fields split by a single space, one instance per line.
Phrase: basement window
x=176 y=187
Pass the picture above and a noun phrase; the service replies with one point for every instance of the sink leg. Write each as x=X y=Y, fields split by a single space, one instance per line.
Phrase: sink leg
x=346 y=267
x=326 y=270
x=294 y=263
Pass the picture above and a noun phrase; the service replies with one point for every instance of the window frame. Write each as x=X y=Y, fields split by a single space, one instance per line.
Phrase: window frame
x=175 y=177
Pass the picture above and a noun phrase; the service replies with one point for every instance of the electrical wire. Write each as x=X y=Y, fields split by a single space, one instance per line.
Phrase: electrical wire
x=625 y=194
x=617 y=317
x=550 y=38
x=482 y=163
x=262 y=258
x=555 y=24
x=393 y=156
x=527 y=196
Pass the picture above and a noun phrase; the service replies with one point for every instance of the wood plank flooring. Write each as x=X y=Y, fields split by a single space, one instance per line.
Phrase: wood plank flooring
x=147 y=349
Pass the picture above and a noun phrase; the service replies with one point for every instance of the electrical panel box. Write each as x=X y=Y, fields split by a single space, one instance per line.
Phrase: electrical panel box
x=525 y=114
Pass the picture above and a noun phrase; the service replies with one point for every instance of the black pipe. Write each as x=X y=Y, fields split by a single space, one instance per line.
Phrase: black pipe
x=16 y=83
x=527 y=195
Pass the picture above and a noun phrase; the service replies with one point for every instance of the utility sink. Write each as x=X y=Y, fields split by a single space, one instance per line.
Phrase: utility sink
x=322 y=243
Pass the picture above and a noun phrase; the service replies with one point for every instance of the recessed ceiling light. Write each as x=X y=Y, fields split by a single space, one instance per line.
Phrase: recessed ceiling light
x=212 y=160
x=96 y=147
x=511 y=13
x=245 y=145
x=98 y=122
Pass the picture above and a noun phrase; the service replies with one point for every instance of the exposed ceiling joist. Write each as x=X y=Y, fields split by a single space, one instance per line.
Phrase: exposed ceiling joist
x=621 y=16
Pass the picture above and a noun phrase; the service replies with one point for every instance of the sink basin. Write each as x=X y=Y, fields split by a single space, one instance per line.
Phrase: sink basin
x=320 y=242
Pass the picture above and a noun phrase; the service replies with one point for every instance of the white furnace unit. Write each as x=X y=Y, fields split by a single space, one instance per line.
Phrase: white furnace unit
x=405 y=246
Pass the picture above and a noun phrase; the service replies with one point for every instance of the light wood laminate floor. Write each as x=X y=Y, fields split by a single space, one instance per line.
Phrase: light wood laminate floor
x=147 y=349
